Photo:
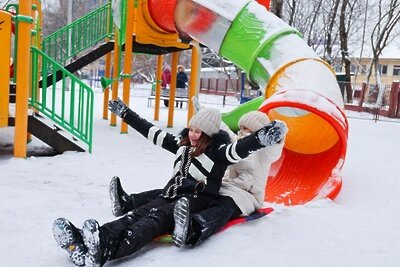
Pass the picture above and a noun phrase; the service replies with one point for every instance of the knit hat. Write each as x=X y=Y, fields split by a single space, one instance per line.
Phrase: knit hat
x=254 y=120
x=208 y=120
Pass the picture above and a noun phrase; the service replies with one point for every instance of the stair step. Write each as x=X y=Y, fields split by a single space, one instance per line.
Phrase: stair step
x=51 y=134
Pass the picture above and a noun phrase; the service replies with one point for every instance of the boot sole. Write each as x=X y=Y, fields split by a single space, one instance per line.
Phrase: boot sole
x=91 y=239
x=181 y=217
x=65 y=239
x=113 y=191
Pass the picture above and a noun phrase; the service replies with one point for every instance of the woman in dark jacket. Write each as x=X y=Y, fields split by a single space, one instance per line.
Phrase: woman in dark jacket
x=202 y=156
x=181 y=81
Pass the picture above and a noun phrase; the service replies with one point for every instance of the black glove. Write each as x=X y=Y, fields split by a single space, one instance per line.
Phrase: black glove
x=272 y=134
x=118 y=107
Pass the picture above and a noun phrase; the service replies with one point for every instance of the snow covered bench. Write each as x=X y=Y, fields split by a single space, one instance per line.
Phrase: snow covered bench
x=181 y=96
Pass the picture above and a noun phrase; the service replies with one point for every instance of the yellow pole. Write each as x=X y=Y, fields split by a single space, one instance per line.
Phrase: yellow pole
x=128 y=57
x=23 y=70
x=158 y=88
x=194 y=78
x=5 y=54
x=172 y=89
x=114 y=93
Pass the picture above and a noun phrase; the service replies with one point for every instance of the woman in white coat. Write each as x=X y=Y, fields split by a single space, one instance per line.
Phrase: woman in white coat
x=245 y=181
x=242 y=190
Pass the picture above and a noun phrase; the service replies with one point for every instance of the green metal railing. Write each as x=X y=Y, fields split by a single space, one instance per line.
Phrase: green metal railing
x=71 y=108
x=82 y=33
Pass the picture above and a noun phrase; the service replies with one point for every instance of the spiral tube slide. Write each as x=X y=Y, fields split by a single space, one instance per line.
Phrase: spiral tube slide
x=301 y=89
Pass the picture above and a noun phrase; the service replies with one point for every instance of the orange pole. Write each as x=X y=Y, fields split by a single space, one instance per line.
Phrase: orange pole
x=158 y=88
x=114 y=93
x=194 y=78
x=128 y=57
x=172 y=89
x=23 y=72
x=35 y=36
x=5 y=54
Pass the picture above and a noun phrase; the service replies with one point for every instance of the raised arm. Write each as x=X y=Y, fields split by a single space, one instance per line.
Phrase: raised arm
x=157 y=136
x=269 y=135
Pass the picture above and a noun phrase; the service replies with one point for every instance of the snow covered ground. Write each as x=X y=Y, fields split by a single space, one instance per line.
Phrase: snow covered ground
x=360 y=228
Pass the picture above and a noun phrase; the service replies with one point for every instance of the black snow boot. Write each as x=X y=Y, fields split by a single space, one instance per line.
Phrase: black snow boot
x=68 y=237
x=206 y=223
x=98 y=244
x=182 y=220
x=121 y=202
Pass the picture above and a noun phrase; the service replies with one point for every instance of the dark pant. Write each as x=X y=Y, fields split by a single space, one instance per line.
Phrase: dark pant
x=209 y=221
x=145 y=197
x=128 y=234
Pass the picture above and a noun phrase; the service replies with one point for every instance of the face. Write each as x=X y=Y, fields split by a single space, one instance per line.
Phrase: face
x=244 y=131
x=194 y=135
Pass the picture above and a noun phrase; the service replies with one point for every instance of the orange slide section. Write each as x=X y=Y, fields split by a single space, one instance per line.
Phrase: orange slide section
x=314 y=151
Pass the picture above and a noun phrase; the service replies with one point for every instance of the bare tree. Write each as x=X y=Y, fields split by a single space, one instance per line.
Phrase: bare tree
x=144 y=66
x=277 y=7
x=212 y=59
x=344 y=39
x=316 y=20
x=55 y=13
x=362 y=41
x=388 y=17
x=331 y=30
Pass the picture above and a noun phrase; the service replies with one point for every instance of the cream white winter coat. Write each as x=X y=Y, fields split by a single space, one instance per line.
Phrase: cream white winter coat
x=245 y=181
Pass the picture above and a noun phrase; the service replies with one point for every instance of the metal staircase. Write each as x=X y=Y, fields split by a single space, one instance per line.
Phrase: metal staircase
x=68 y=106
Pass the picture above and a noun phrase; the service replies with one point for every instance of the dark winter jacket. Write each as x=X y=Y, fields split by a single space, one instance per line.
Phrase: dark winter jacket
x=181 y=79
x=201 y=175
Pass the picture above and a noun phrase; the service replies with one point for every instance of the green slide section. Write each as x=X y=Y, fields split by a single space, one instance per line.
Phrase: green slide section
x=249 y=41
x=231 y=118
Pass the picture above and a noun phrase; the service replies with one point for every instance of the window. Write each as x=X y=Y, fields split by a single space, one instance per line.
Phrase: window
x=396 y=70
x=384 y=69
x=338 y=68
x=353 y=68
x=363 y=69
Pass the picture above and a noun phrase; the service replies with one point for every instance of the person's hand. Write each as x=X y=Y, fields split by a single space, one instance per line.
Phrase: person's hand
x=118 y=107
x=272 y=134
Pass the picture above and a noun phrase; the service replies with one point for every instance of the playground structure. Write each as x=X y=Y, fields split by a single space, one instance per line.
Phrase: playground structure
x=29 y=91
x=300 y=89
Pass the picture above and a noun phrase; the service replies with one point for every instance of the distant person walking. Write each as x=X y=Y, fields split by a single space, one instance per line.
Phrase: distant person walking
x=166 y=81
x=181 y=82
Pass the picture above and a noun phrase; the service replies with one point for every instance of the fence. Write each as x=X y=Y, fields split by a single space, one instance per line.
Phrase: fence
x=220 y=86
x=381 y=100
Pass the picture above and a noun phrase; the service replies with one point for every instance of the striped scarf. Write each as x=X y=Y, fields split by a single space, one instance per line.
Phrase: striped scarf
x=186 y=159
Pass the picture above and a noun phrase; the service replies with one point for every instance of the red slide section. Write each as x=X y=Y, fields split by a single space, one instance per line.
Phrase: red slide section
x=314 y=152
